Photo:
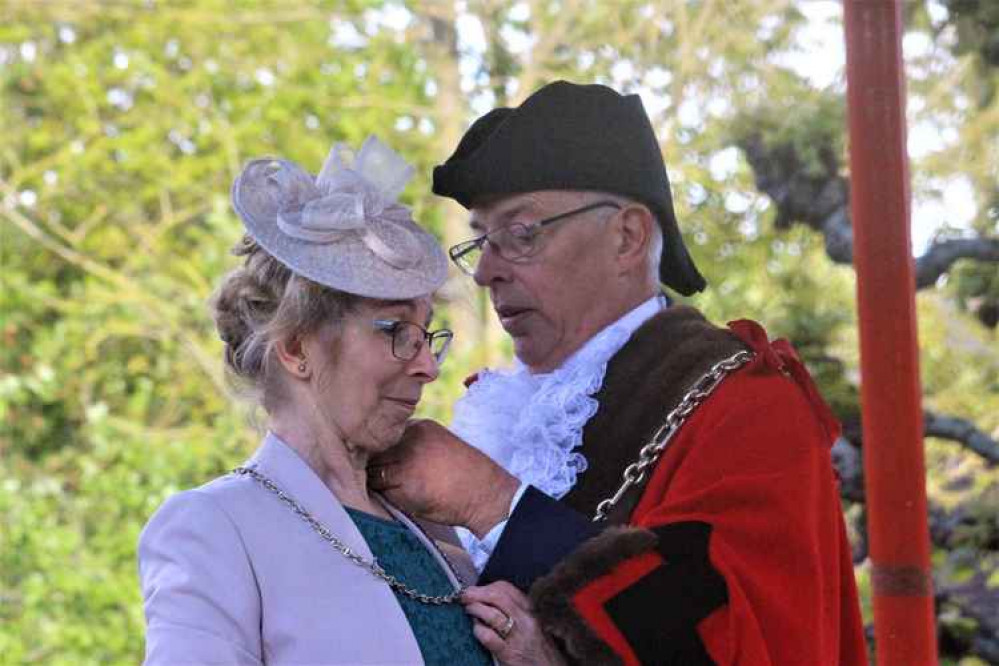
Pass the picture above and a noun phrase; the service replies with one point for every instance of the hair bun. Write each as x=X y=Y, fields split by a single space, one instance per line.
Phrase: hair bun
x=230 y=324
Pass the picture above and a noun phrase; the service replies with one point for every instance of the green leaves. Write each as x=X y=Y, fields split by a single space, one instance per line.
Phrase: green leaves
x=124 y=124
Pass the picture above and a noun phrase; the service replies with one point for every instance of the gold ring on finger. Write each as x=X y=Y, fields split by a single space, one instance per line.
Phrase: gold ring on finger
x=507 y=627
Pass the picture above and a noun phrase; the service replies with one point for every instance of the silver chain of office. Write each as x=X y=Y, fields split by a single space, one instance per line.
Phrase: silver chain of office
x=649 y=454
x=346 y=551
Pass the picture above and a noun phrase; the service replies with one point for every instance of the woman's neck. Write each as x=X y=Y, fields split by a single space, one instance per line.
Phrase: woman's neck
x=341 y=467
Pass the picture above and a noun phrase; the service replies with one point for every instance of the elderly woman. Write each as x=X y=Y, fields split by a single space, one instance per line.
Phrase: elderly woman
x=291 y=558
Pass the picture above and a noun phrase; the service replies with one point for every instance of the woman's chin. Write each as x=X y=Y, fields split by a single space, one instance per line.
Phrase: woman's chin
x=387 y=435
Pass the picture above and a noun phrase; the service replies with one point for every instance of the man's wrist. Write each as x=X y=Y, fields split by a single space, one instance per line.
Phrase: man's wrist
x=496 y=508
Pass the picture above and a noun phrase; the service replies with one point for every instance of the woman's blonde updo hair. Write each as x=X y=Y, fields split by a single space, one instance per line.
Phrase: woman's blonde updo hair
x=261 y=303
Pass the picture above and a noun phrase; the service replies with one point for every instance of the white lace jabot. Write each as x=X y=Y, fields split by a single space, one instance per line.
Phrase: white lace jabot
x=533 y=424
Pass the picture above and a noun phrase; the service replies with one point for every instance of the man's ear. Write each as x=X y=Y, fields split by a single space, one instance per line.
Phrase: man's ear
x=291 y=354
x=635 y=234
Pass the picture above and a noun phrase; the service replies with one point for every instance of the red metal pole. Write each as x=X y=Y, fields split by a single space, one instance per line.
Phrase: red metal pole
x=904 y=621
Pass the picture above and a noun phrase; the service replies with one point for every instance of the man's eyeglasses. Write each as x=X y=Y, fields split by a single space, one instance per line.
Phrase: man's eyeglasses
x=408 y=339
x=514 y=241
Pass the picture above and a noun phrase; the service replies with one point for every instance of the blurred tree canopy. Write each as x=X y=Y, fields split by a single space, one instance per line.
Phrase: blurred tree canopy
x=123 y=124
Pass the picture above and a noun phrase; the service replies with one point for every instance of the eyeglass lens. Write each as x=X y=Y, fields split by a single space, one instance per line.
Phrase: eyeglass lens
x=512 y=242
x=408 y=339
x=516 y=241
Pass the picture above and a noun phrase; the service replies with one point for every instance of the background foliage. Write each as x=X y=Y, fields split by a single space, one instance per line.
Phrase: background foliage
x=123 y=124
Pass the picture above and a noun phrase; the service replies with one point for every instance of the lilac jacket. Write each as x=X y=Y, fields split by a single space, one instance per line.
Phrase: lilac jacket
x=230 y=575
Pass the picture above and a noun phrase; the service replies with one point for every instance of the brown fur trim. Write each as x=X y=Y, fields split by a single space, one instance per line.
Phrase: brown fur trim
x=644 y=381
x=552 y=595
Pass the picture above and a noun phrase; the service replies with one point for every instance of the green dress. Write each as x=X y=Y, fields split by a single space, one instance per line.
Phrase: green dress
x=444 y=633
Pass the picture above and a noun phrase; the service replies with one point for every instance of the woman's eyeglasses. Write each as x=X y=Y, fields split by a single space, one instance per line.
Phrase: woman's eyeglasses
x=408 y=339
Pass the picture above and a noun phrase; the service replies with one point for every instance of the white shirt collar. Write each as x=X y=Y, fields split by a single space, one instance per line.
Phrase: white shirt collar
x=532 y=424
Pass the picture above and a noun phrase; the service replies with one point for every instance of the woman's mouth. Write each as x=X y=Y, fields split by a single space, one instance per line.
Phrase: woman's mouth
x=406 y=403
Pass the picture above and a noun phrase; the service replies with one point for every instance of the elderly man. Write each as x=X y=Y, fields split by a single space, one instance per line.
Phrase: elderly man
x=661 y=486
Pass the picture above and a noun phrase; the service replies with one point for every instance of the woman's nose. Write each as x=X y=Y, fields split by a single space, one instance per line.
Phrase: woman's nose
x=424 y=364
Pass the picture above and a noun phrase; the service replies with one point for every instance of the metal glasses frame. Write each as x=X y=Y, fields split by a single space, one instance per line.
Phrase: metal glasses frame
x=462 y=254
x=395 y=326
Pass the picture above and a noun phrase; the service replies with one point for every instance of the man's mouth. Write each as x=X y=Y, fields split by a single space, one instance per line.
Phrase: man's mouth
x=511 y=315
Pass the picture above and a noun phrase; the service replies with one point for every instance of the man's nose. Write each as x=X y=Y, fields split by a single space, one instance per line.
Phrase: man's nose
x=491 y=267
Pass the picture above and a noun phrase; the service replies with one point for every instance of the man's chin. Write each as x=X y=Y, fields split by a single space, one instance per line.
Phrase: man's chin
x=526 y=352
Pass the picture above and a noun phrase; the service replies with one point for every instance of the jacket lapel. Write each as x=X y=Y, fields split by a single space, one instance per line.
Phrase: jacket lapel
x=452 y=558
x=282 y=465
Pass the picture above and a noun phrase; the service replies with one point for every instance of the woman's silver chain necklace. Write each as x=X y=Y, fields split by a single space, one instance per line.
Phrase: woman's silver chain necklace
x=345 y=550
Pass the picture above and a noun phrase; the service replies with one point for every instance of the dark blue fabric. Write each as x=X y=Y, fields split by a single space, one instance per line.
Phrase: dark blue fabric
x=539 y=534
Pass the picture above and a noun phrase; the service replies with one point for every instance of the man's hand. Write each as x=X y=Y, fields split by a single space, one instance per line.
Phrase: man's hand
x=433 y=474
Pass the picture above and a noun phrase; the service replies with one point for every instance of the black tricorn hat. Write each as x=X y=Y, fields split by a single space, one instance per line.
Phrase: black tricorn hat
x=571 y=137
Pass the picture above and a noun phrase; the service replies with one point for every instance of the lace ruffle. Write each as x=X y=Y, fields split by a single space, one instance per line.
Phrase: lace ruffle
x=532 y=425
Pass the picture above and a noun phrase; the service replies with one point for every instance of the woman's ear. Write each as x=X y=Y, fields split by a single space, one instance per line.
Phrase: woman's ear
x=292 y=356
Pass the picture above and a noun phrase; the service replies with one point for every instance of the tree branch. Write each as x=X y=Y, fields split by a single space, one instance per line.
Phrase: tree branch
x=820 y=199
x=942 y=254
x=158 y=310
x=942 y=426
x=963 y=432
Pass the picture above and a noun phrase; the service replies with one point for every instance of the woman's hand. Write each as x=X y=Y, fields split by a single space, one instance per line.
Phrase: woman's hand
x=505 y=626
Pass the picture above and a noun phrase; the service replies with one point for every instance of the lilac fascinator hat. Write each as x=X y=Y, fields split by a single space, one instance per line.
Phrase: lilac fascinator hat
x=343 y=228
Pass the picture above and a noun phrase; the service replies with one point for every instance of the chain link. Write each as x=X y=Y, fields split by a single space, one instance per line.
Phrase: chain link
x=342 y=548
x=649 y=454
